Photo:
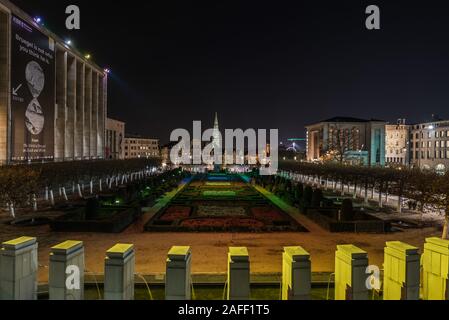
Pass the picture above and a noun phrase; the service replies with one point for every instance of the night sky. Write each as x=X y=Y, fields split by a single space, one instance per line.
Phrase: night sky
x=261 y=64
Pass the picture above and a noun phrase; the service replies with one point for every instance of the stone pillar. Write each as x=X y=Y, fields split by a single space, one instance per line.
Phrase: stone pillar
x=101 y=117
x=87 y=111
x=18 y=269
x=350 y=273
x=177 y=278
x=435 y=267
x=296 y=274
x=70 y=126
x=94 y=116
x=238 y=284
x=61 y=103
x=119 y=273
x=401 y=271
x=79 y=120
x=66 y=275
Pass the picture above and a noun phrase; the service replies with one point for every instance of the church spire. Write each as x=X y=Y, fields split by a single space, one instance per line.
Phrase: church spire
x=216 y=122
x=216 y=132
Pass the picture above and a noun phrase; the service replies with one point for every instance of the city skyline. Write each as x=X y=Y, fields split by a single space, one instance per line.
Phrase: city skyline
x=262 y=72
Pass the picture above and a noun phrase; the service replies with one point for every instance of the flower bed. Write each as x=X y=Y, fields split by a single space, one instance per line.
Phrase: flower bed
x=267 y=214
x=175 y=213
x=222 y=223
x=218 y=184
x=220 y=211
x=219 y=193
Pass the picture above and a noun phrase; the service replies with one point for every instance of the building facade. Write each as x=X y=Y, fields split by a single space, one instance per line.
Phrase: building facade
x=115 y=139
x=53 y=100
x=430 y=146
x=140 y=147
x=347 y=139
x=397 y=144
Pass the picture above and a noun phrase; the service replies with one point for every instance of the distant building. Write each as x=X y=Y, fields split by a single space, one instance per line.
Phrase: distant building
x=430 y=146
x=140 y=147
x=165 y=152
x=397 y=144
x=115 y=139
x=348 y=140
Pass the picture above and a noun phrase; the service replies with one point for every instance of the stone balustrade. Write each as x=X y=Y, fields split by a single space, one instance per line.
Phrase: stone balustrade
x=405 y=274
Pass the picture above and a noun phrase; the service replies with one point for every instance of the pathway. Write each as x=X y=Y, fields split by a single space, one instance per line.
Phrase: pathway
x=293 y=212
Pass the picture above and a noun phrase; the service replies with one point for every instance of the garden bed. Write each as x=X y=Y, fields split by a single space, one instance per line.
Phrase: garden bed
x=108 y=219
x=363 y=222
x=203 y=206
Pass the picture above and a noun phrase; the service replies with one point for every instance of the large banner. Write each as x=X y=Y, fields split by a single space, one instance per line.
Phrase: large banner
x=32 y=93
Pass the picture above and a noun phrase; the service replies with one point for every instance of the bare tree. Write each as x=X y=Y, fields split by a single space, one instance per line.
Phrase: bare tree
x=340 y=142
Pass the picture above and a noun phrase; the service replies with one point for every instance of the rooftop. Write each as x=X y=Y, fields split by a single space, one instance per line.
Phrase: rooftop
x=348 y=120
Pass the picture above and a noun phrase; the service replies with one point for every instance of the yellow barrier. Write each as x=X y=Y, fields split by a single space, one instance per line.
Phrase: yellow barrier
x=435 y=268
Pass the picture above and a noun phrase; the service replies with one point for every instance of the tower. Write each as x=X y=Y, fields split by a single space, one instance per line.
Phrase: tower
x=216 y=133
x=216 y=142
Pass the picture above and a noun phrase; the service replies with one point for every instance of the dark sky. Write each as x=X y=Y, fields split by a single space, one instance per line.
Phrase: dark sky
x=261 y=64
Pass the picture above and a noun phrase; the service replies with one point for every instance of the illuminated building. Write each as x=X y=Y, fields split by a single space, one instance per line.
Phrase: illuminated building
x=347 y=140
x=397 y=144
x=140 y=147
x=53 y=100
x=430 y=145
x=115 y=139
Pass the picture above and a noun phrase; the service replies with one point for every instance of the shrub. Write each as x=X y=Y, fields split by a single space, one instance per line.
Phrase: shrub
x=92 y=208
x=307 y=196
x=347 y=211
x=317 y=197
x=299 y=191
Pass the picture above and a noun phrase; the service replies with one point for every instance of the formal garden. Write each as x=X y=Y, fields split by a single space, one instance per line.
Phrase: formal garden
x=335 y=214
x=414 y=189
x=88 y=196
x=221 y=202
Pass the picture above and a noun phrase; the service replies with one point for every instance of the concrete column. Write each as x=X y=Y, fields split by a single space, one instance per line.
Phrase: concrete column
x=350 y=273
x=435 y=267
x=401 y=271
x=94 y=117
x=296 y=274
x=177 y=278
x=66 y=273
x=79 y=120
x=101 y=118
x=61 y=102
x=18 y=269
x=4 y=84
x=71 y=109
x=238 y=284
x=119 y=273
x=87 y=111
